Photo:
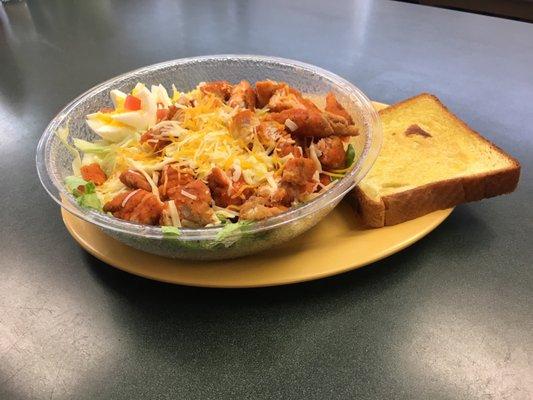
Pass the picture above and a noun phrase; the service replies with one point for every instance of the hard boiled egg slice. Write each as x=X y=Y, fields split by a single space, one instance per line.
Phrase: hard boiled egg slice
x=107 y=128
x=117 y=125
x=161 y=95
x=118 y=98
x=148 y=103
x=135 y=119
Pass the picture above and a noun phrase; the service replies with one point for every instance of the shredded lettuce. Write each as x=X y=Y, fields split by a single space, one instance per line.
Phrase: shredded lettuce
x=94 y=148
x=108 y=163
x=72 y=182
x=101 y=152
x=62 y=135
x=170 y=231
x=89 y=158
x=232 y=232
x=223 y=217
x=90 y=201
x=86 y=197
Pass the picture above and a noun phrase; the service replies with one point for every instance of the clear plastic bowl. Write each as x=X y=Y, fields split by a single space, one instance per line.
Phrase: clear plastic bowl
x=54 y=161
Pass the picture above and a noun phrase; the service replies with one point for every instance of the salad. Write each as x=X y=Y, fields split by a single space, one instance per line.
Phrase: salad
x=219 y=154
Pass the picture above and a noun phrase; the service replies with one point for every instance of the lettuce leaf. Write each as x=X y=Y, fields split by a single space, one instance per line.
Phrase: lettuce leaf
x=88 y=147
x=223 y=217
x=170 y=231
x=90 y=200
x=72 y=182
x=85 y=197
x=108 y=163
x=232 y=232
x=62 y=135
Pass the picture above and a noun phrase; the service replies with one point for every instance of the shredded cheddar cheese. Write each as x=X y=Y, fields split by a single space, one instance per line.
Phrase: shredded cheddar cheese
x=208 y=142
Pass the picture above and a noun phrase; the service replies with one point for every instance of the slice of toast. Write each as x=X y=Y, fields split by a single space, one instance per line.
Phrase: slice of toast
x=430 y=160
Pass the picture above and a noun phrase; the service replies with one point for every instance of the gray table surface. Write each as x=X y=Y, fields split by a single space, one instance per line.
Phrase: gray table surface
x=449 y=318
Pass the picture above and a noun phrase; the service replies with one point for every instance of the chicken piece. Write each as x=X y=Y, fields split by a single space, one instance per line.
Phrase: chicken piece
x=135 y=180
x=308 y=104
x=243 y=124
x=197 y=189
x=334 y=107
x=193 y=202
x=221 y=89
x=297 y=181
x=265 y=90
x=280 y=96
x=178 y=115
x=224 y=191
x=287 y=194
x=325 y=180
x=172 y=113
x=219 y=184
x=157 y=137
x=332 y=152
x=289 y=98
x=137 y=206
x=299 y=171
x=269 y=133
x=307 y=123
x=115 y=204
x=340 y=126
x=317 y=124
x=154 y=137
x=155 y=144
x=173 y=178
x=242 y=95
x=162 y=114
x=165 y=219
x=272 y=134
x=258 y=208
x=93 y=173
x=284 y=99
x=286 y=103
x=285 y=149
x=240 y=191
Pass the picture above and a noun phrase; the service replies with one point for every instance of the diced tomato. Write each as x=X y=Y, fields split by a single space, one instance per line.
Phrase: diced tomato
x=162 y=114
x=106 y=110
x=132 y=103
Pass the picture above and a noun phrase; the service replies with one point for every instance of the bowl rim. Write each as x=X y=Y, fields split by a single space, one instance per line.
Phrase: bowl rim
x=60 y=195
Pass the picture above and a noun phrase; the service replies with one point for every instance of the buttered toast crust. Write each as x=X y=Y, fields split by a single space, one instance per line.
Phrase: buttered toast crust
x=443 y=193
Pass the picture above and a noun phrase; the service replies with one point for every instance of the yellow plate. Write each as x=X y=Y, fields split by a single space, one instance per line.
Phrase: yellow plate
x=337 y=244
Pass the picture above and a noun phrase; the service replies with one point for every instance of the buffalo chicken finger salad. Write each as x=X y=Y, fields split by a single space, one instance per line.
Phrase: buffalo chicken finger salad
x=222 y=153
